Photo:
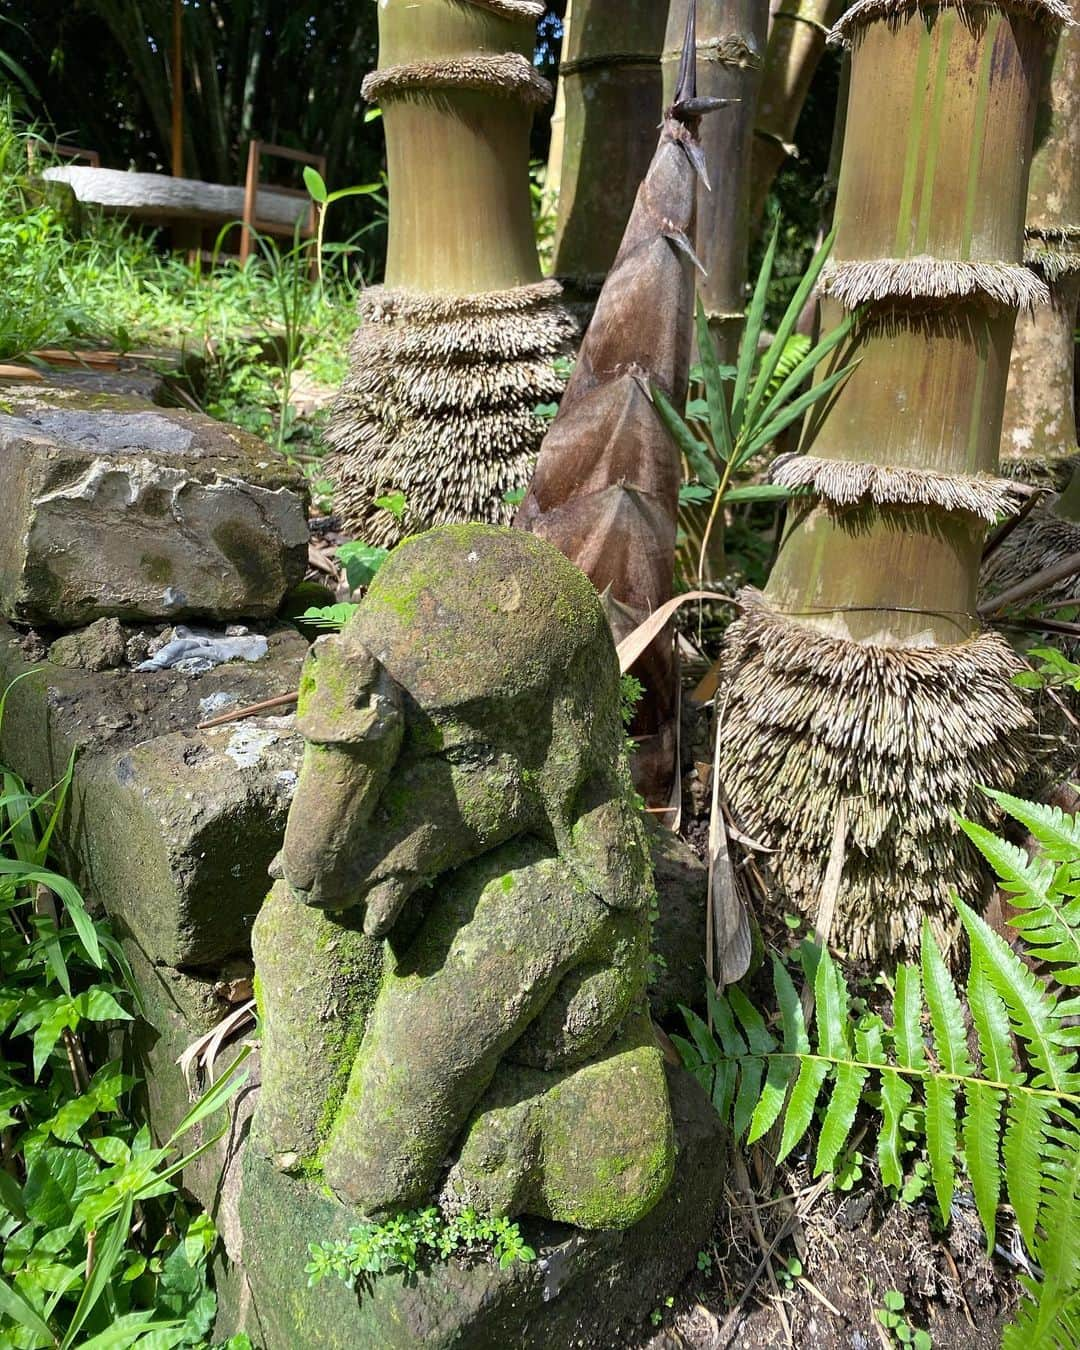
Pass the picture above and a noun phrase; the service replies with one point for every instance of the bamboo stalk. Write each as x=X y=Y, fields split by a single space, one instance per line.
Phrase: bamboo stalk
x=1039 y=435
x=730 y=50
x=795 y=48
x=862 y=674
x=455 y=350
x=610 y=85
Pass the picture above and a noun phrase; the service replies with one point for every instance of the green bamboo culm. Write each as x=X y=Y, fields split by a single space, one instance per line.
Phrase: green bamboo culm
x=730 y=51
x=1038 y=439
x=862 y=676
x=610 y=88
x=456 y=348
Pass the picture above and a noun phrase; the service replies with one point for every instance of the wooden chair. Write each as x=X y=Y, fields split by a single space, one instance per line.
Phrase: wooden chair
x=256 y=151
x=73 y=152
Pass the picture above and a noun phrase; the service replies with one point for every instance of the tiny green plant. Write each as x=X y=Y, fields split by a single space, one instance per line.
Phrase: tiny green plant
x=746 y=406
x=893 y=1318
x=361 y=561
x=411 y=1241
x=324 y=199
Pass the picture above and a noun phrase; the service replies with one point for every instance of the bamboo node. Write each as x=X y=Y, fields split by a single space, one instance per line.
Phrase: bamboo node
x=859 y=282
x=533 y=10
x=509 y=75
x=845 y=483
x=900 y=735
x=1053 y=13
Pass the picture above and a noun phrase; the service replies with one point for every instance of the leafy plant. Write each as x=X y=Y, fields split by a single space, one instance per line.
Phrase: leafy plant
x=78 y=1269
x=999 y=1112
x=893 y=1318
x=324 y=199
x=411 y=1240
x=746 y=406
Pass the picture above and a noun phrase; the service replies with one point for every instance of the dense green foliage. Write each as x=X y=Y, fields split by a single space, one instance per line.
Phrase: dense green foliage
x=406 y=1242
x=97 y=1248
x=1006 y=1102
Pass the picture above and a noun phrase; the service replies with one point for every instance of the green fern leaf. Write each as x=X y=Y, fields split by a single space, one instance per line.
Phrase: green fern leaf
x=1021 y=1334
x=840 y=1115
x=831 y=1005
x=896 y=1094
x=982 y=1120
x=946 y=1014
x=992 y=1029
x=781 y=1068
x=1026 y=878
x=941 y=1140
x=760 y=1040
x=704 y=1041
x=746 y=1099
x=1031 y=1010
x=1022 y=1150
x=1058 y=833
x=723 y=1089
x=720 y=1011
x=907 y=1014
x=800 y=1111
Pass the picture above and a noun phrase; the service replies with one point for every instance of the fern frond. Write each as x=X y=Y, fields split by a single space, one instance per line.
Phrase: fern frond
x=1028 y=880
x=800 y=1110
x=1058 y=833
x=1022 y=1149
x=781 y=1068
x=992 y=1029
x=941 y=1140
x=910 y=1052
x=982 y=1123
x=1031 y=1009
x=896 y=1095
x=840 y=1115
x=946 y=1014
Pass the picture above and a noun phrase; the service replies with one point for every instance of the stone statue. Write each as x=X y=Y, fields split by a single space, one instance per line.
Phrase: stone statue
x=451 y=972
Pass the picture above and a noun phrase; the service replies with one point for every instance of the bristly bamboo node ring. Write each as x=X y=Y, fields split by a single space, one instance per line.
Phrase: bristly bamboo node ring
x=532 y=10
x=509 y=74
x=1053 y=13
x=858 y=282
x=844 y=483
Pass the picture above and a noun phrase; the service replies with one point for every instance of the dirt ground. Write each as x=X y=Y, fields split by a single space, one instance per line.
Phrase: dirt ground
x=852 y=1249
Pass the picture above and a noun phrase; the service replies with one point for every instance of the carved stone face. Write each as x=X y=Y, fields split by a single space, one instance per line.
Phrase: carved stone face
x=460 y=707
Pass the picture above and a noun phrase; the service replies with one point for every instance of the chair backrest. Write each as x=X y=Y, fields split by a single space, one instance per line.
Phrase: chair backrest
x=74 y=152
x=256 y=151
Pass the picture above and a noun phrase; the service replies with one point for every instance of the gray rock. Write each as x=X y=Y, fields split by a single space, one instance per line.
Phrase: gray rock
x=102 y=646
x=115 y=508
x=171 y=829
x=678 y=935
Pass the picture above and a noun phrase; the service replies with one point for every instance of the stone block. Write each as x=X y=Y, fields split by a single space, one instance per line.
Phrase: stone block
x=678 y=934
x=171 y=829
x=117 y=508
x=585 y=1289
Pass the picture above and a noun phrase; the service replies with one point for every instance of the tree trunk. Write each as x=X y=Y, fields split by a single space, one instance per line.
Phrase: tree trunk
x=731 y=44
x=456 y=349
x=796 y=45
x=861 y=675
x=1038 y=440
x=610 y=78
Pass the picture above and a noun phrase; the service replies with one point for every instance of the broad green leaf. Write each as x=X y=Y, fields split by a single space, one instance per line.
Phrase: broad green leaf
x=313 y=181
x=981 y=1123
x=839 y=1116
x=800 y=1111
x=941 y=1140
x=15 y=1307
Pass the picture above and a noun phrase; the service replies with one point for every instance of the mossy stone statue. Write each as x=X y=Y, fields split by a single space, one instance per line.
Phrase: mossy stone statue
x=451 y=971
